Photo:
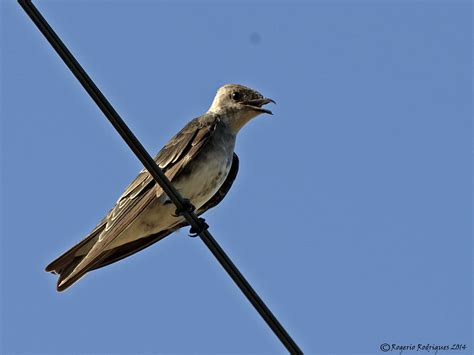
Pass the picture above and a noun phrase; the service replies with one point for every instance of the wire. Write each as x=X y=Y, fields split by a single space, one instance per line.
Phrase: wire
x=157 y=174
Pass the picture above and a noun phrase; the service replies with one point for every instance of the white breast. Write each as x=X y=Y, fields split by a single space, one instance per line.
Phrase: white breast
x=206 y=179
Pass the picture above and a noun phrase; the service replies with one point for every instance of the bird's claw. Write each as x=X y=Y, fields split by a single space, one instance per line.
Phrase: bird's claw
x=194 y=232
x=187 y=207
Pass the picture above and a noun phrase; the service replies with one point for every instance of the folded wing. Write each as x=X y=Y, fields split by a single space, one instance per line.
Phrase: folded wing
x=92 y=252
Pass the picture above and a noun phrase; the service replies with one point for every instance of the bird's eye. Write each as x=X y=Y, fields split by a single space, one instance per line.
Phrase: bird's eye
x=236 y=96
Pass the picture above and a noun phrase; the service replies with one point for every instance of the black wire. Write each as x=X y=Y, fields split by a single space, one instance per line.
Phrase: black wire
x=157 y=174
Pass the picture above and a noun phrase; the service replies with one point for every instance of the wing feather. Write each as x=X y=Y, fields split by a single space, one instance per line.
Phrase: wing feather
x=173 y=158
x=133 y=247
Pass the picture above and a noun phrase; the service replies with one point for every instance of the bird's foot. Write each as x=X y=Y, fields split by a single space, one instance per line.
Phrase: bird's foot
x=187 y=207
x=194 y=232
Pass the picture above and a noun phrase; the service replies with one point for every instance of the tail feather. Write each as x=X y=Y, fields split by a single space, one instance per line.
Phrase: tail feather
x=65 y=264
x=72 y=274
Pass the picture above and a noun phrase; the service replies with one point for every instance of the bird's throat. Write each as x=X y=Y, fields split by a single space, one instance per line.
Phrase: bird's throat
x=240 y=119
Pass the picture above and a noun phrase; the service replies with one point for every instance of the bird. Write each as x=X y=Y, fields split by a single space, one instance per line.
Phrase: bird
x=201 y=164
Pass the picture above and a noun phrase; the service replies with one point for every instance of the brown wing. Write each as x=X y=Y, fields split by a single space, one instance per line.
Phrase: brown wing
x=128 y=249
x=182 y=148
x=63 y=264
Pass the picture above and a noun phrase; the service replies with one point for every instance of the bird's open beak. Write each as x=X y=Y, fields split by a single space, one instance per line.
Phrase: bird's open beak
x=257 y=104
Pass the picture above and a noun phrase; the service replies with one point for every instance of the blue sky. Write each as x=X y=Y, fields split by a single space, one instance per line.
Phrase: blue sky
x=351 y=214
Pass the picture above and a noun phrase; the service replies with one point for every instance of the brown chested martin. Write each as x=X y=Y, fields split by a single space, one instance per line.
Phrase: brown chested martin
x=200 y=162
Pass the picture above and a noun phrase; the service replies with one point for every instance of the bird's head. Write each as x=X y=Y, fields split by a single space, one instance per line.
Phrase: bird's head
x=239 y=104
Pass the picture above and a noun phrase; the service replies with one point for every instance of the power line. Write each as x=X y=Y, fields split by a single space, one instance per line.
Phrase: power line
x=135 y=145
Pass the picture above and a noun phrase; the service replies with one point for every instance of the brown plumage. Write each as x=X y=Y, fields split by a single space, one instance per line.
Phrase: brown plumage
x=200 y=162
x=65 y=263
